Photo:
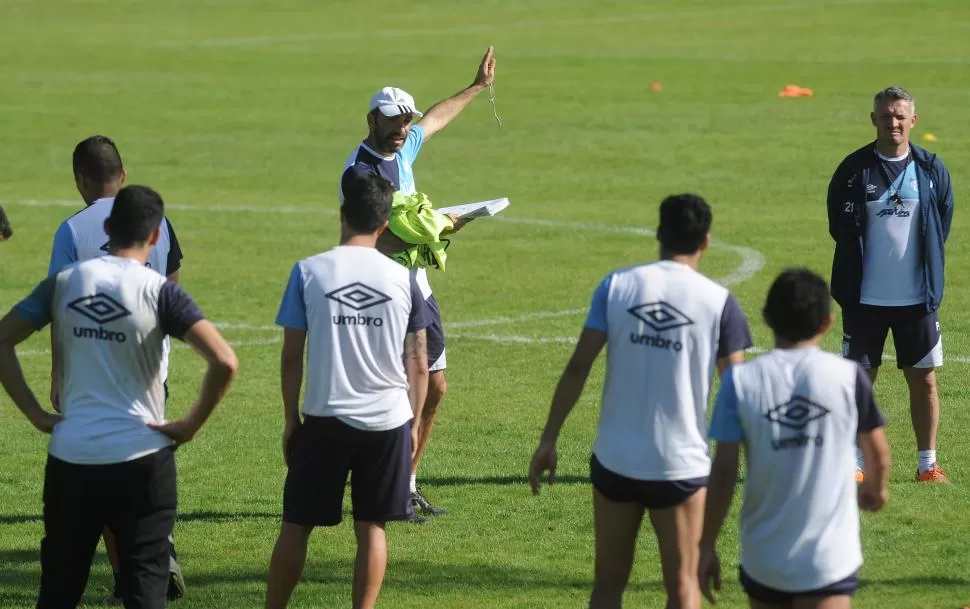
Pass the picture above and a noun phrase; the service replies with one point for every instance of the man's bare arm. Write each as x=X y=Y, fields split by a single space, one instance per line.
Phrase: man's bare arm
x=13 y=331
x=205 y=340
x=445 y=111
x=291 y=373
x=416 y=365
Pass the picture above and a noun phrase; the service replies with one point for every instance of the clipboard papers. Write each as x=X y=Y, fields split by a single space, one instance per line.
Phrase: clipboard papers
x=480 y=209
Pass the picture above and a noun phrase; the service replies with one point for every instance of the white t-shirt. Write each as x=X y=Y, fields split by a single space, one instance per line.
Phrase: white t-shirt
x=892 y=271
x=797 y=412
x=110 y=318
x=81 y=237
x=666 y=327
x=356 y=305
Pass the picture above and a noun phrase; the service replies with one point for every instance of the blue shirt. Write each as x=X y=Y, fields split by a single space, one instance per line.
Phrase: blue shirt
x=395 y=169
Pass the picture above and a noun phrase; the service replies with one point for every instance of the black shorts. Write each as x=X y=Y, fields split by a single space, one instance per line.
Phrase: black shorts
x=770 y=596
x=651 y=494
x=324 y=451
x=135 y=499
x=916 y=335
x=436 y=338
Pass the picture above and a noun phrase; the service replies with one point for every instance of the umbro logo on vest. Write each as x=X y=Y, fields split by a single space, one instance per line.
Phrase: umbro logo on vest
x=358 y=296
x=100 y=308
x=796 y=414
x=660 y=316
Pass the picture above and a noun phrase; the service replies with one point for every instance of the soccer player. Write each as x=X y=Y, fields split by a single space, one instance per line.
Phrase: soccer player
x=666 y=328
x=890 y=206
x=799 y=413
x=99 y=174
x=110 y=461
x=390 y=149
x=361 y=318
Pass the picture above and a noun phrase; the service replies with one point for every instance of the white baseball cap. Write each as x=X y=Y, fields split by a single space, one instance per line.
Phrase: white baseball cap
x=393 y=101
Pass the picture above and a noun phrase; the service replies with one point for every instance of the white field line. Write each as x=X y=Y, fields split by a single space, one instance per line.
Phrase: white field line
x=256 y=41
x=752 y=261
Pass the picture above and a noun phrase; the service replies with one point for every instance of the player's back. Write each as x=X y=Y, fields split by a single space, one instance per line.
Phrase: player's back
x=358 y=306
x=799 y=410
x=110 y=343
x=82 y=237
x=664 y=325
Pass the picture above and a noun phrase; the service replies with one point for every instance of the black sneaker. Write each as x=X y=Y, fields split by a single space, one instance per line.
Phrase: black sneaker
x=416 y=518
x=421 y=504
x=176 y=583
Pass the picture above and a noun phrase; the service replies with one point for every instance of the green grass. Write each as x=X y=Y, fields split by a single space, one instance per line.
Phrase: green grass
x=223 y=104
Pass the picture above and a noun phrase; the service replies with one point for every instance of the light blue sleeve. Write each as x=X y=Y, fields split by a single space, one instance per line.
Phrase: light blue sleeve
x=37 y=308
x=726 y=423
x=596 y=320
x=412 y=145
x=64 y=251
x=292 y=312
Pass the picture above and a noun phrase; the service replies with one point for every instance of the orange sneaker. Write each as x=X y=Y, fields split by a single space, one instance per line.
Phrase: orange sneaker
x=933 y=474
x=859 y=476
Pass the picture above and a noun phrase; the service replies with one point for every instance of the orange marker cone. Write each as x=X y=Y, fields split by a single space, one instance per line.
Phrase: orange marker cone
x=656 y=86
x=796 y=91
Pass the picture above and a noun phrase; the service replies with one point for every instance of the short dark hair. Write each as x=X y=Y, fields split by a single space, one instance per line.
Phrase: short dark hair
x=136 y=212
x=798 y=304
x=685 y=221
x=97 y=159
x=367 y=202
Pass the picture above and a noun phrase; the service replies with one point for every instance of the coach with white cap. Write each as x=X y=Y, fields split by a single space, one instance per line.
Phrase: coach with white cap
x=391 y=147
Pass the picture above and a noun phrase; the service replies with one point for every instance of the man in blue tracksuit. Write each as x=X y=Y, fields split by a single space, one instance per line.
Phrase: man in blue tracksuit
x=890 y=205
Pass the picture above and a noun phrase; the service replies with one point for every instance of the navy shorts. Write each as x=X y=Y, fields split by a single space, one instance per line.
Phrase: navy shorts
x=651 y=494
x=770 y=596
x=436 y=338
x=916 y=335
x=322 y=454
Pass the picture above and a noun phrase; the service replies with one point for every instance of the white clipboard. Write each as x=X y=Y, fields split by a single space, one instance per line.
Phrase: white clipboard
x=481 y=209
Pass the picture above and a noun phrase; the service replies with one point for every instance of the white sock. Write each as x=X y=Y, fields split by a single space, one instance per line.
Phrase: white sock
x=926 y=460
x=414 y=483
x=860 y=462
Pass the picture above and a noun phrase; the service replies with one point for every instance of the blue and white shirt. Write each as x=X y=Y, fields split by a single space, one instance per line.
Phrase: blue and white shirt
x=396 y=169
x=666 y=326
x=797 y=411
x=892 y=271
x=356 y=305
x=81 y=237
x=110 y=318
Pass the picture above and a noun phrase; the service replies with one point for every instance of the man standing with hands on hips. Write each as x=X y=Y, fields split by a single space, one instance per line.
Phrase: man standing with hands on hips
x=890 y=205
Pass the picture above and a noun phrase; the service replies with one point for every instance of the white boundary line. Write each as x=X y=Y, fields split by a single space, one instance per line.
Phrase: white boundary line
x=752 y=261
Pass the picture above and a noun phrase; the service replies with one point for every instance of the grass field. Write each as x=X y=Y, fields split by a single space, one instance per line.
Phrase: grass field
x=242 y=113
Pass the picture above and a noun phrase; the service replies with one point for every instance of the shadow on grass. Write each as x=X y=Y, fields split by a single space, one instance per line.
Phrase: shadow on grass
x=20 y=577
x=187 y=516
x=426 y=575
x=915 y=581
x=494 y=480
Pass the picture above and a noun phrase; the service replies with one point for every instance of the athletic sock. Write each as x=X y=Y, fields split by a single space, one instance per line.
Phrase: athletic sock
x=859 y=460
x=414 y=483
x=927 y=458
